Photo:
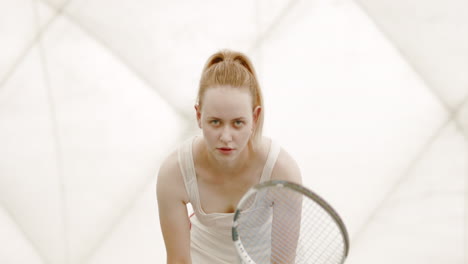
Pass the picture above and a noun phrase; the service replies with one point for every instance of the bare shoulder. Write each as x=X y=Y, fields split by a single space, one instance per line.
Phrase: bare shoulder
x=170 y=184
x=173 y=216
x=286 y=168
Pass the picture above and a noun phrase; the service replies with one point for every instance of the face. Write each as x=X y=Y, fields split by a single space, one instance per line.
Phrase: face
x=227 y=119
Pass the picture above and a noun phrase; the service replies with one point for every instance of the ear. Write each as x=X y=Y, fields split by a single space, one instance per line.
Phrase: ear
x=256 y=113
x=198 y=113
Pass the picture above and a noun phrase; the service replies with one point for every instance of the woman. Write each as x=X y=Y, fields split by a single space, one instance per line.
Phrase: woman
x=214 y=170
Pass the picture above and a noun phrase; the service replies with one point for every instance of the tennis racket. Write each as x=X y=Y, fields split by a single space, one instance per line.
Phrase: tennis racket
x=282 y=222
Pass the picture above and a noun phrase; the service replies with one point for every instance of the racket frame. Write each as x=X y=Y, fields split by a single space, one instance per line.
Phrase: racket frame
x=298 y=188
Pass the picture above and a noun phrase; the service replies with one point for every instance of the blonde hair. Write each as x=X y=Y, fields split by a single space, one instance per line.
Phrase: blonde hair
x=233 y=69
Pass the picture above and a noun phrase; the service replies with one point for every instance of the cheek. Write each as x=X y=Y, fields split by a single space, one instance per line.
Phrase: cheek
x=246 y=132
x=207 y=130
x=210 y=134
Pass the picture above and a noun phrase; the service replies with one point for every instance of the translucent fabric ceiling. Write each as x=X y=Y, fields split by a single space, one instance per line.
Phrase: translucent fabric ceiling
x=370 y=97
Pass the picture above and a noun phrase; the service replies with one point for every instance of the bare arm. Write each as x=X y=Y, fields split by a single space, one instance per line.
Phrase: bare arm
x=286 y=221
x=172 y=199
x=286 y=169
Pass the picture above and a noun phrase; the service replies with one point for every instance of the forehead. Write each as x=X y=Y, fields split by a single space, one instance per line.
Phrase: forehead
x=227 y=102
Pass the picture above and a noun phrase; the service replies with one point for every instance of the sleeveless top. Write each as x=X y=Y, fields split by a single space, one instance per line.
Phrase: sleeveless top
x=210 y=234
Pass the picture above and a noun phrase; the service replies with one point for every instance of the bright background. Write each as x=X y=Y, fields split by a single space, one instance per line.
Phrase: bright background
x=370 y=97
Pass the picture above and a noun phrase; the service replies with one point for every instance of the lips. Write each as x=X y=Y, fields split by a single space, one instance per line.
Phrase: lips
x=225 y=150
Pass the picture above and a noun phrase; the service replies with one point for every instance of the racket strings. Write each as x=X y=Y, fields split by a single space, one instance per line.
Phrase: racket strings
x=284 y=226
x=321 y=238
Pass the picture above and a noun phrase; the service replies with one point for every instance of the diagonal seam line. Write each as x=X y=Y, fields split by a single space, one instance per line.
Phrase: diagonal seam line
x=403 y=178
x=31 y=242
x=24 y=53
x=456 y=113
x=57 y=146
x=452 y=113
x=131 y=203
x=90 y=33
x=379 y=206
x=403 y=55
x=452 y=117
x=264 y=35
x=273 y=25
x=10 y=72
x=140 y=191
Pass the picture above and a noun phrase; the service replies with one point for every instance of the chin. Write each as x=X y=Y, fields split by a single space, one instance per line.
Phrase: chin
x=222 y=157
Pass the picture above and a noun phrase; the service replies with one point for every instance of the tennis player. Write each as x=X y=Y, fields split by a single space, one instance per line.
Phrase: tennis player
x=213 y=170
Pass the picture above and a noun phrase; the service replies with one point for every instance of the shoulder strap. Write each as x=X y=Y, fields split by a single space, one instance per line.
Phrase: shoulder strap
x=187 y=168
x=271 y=160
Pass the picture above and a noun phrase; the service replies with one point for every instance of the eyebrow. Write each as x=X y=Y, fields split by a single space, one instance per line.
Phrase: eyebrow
x=237 y=118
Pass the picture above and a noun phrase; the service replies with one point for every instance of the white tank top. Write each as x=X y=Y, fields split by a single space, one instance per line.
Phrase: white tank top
x=211 y=240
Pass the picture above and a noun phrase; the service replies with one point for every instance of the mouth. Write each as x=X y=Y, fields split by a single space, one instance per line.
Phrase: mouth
x=225 y=150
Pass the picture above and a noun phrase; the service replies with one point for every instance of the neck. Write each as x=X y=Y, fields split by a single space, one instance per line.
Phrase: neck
x=232 y=167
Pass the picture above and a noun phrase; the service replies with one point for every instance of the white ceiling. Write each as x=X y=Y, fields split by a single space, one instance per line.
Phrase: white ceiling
x=370 y=97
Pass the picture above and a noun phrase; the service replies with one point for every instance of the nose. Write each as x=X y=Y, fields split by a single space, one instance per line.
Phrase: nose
x=226 y=135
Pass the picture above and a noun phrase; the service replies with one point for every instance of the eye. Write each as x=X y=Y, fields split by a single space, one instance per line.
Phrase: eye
x=238 y=123
x=215 y=122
